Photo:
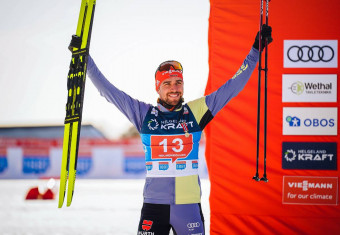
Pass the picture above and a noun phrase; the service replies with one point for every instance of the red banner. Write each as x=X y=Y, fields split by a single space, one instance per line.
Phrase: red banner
x=305 y=42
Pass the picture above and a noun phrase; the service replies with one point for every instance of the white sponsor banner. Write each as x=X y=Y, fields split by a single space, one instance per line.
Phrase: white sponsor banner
x=310 y=121
x=309 y=88
x=310 y=53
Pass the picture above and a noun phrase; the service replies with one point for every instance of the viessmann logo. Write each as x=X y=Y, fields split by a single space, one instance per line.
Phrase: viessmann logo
x=305 y=185
x=310 y=190
x=310 y=121
x=310 y=53
x=309 y=88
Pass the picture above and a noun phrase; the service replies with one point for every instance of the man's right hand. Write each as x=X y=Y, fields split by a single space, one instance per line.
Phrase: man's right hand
x=266 y=32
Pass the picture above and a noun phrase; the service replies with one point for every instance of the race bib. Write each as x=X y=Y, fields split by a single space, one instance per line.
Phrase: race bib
x=171 y=146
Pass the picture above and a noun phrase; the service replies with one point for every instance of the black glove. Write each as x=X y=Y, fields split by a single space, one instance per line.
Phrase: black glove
x=75 y=43
x=266 y=32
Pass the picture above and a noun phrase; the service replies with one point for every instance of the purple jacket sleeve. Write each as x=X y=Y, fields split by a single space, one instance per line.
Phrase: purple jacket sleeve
x=133 y=109
x=218 y=99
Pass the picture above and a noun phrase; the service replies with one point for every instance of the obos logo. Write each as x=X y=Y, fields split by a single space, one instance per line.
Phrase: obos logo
x=310 y=53
x=309 y=155
x=310 y=121
x=295 y=121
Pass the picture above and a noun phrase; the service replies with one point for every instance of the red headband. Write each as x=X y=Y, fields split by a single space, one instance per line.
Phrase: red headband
x=162 y=75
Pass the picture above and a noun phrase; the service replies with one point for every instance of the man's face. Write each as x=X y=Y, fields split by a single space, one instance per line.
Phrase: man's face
x=171 y=90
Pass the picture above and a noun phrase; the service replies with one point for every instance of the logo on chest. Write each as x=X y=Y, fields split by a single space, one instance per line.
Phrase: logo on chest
x=153 y=124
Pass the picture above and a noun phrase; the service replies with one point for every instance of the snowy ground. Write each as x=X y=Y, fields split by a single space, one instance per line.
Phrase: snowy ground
x=98 y=207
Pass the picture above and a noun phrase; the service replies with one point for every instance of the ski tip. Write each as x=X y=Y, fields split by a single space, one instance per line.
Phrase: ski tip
x=61 y=202
x=69 y=202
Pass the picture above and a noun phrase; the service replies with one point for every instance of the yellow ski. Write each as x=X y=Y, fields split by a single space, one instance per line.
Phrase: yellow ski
x=79 y=46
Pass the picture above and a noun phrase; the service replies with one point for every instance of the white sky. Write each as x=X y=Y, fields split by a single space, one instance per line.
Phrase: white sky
x=130 y=38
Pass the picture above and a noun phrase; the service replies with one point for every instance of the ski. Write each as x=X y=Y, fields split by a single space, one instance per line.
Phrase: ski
x=79 y=46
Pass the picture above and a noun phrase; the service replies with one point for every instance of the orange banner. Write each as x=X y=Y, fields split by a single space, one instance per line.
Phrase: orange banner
x=306 y=40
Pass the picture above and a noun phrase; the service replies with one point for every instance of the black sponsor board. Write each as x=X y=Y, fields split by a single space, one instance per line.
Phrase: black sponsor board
x=309 y=155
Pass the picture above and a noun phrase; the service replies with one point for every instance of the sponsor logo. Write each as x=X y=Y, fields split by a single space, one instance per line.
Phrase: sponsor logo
x=153 y=124
x=309 y=88
x=175 y=124
x=84 y=165
x=186 y=111
x=3 y=164
x=163 y=166
x=295 y=121
x=154 y=112
x=36 y=160
x=313 y=53
x=310 y=121
x=310 y=190
x=310 y=53
x=148 y=166
x=194 y=164
x=3 y=159
x=192 y=226
x=147 y=224
x=309 y=155
x=181 y=165
x=172 y=71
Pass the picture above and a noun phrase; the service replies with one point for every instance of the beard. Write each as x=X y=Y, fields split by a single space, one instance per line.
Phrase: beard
x=173 y=101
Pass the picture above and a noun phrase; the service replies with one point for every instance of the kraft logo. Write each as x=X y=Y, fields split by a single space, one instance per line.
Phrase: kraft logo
x=309 y=155
x=153 y=124
x=290 y=156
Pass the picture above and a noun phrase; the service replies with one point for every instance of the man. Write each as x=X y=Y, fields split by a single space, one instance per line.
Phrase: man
x=170 y=133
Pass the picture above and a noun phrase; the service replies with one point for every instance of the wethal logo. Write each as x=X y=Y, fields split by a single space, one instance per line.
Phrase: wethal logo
x=310 y=121
x=310 y=53
x=309 y=155
x=297 y=88
x=309 y=88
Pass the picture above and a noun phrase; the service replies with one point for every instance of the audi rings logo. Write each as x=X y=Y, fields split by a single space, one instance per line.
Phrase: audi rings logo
x=310 y=53
x=313 y=53
x=193 y=225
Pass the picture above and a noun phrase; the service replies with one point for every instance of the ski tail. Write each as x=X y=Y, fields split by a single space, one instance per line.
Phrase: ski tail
x=74 y=106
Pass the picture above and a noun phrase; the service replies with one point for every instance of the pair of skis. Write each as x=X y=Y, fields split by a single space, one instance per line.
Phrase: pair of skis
x=74 y=106
x=265 y=69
